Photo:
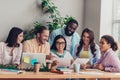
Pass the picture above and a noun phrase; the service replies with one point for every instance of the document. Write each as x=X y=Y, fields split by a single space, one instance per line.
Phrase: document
x=63 y=62
x=92 y=73
x=80 y=61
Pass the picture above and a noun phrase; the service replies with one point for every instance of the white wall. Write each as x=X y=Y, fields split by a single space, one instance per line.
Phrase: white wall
x=106 y=17
x=92 y=16
x=23 y=13
x=74 y=8
x=98 y=17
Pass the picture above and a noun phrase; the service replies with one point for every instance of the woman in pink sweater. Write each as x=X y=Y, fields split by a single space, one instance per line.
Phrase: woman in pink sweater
x=109 y=60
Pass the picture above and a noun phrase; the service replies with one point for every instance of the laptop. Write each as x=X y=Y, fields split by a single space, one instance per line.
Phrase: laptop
x=28 y=59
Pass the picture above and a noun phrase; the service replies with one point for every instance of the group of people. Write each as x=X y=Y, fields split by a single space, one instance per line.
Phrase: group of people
x=62 y=43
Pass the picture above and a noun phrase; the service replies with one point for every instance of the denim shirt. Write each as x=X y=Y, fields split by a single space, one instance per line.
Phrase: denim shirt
x=61 y=31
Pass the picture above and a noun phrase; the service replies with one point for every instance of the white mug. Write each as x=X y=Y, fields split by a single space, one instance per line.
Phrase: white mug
x=76 y=68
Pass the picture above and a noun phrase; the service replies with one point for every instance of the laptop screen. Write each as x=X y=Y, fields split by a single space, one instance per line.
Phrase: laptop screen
x=28 y=59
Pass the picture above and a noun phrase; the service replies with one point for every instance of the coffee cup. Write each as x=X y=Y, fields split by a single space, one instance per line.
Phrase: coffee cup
x=36 y=67
x=76 y=68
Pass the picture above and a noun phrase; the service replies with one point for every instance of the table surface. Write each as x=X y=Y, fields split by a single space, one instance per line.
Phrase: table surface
x=89 y=73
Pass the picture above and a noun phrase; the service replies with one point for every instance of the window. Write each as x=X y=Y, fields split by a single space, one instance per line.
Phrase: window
x=116 y=22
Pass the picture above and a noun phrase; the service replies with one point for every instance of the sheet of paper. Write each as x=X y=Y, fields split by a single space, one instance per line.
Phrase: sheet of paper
x=26 y=59
x=81 y=60
x=92 y=73
x=63 y=62
x=92 y=69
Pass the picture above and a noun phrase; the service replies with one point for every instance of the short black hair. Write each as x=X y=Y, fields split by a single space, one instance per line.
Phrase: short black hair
x=12 y=37
x=72 y=21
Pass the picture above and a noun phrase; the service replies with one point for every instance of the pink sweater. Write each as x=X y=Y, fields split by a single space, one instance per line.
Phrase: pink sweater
x=110 y=61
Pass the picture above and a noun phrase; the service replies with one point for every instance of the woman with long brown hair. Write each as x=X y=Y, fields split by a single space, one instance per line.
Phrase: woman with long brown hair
x=87 y=48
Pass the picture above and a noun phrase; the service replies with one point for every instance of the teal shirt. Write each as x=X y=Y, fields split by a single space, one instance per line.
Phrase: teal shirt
x=61 y=31
x=56 y=53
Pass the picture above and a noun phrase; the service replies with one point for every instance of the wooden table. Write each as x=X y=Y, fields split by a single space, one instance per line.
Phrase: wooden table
x=41 y=75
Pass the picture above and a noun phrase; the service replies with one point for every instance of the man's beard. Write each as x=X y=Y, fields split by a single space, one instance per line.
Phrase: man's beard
x=40 y=41
x=67 y=32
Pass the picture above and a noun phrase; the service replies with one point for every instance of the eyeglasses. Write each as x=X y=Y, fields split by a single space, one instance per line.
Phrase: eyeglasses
x=58 y=43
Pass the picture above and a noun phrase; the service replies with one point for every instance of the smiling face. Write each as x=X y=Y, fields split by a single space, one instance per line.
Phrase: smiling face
x=85 y=38
x=104 y=45
x=60 y=44
x=20 y=38
x=43 y=37
x=70 y=29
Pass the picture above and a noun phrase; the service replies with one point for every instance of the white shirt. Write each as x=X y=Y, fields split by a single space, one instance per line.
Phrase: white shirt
x=69 y=42
x=7 y=58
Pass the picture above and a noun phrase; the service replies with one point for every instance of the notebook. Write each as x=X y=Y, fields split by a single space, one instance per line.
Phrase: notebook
x=28 y=59
x=11 y=71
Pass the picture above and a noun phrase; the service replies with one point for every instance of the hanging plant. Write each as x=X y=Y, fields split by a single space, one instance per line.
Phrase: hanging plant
x=57 y=21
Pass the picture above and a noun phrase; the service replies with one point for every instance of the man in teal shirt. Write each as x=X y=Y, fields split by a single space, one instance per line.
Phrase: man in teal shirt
x=69 y=33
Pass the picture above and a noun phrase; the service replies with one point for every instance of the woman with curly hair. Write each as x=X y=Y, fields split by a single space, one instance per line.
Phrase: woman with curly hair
x=87 y=48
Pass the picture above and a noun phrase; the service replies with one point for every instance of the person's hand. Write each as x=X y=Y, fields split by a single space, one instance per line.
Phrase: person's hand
x=19 y=66
x=54 y=63
x=50 y=57
x=72 y=61
x=100 y=66
x=83 y=66
x=88 y=65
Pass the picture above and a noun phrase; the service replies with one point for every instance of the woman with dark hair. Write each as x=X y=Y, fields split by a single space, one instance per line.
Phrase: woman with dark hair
x=87 y=47
x=109 y=60
x=11 y=49
x=58 y=50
